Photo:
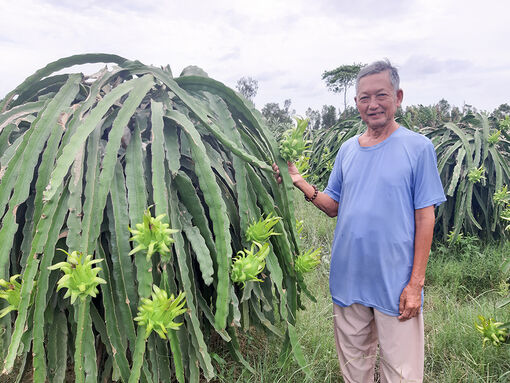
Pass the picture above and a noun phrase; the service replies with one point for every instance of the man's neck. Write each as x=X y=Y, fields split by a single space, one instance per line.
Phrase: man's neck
x=373 y=136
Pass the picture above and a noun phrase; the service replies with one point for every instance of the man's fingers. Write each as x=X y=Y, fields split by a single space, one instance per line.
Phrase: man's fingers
x=276 y=171
x=408 y=314
x=401 y=305
x=405 y=315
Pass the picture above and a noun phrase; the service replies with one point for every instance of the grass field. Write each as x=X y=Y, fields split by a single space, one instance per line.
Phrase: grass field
x=463 y=282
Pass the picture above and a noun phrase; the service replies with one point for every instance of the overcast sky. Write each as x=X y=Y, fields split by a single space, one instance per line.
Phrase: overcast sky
x=457 y=50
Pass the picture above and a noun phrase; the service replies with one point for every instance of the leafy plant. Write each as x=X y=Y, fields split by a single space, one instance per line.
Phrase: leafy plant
x=472 y=167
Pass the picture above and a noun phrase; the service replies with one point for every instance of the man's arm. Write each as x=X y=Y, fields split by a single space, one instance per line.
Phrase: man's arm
x=410 y=300
x=323 y=201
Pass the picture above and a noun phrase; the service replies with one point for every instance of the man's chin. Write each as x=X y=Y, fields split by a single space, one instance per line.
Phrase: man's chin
x=376 y=124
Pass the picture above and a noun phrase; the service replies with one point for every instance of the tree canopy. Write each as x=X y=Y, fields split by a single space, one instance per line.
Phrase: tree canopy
x=342 y=78
x=248 y=87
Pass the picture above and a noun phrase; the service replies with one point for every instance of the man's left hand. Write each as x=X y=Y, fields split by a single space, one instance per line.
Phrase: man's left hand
x=410 y=302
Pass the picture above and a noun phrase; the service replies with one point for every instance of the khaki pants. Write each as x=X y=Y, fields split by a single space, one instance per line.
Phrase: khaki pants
x=358 y=330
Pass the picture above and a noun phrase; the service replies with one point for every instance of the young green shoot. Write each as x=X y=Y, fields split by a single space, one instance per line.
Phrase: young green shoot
x=249 y=264
x=156 y=313
x=308 y=261
x=476 y=175
x=293 y=144
x=152 y=236
x=10 y=291
x=81 y=281
x=501 y=196
x=492 y=332
x=261 y=230
x=80 y=278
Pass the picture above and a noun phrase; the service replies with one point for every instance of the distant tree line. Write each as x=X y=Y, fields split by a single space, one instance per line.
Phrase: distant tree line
x=339 y=80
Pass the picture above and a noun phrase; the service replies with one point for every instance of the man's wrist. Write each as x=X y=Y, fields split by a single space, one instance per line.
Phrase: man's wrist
x=417 y=282
x=301 y=184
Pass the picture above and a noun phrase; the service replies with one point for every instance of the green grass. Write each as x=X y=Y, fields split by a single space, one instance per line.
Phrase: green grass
x=463 y=281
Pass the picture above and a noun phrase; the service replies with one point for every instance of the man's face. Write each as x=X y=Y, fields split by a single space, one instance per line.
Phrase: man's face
x=377 y=101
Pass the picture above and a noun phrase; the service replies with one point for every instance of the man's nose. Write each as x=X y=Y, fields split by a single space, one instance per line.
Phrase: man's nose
x=373 y=104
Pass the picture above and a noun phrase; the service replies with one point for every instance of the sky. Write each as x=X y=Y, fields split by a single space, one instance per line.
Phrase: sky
x=456 y=50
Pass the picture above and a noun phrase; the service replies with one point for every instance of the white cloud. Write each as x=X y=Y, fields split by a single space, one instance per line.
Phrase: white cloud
x=445 y=49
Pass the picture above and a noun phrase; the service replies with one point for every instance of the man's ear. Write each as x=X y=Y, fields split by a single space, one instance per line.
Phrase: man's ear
x=400 y=96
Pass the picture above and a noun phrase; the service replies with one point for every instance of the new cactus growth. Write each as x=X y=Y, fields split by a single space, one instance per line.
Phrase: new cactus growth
x=152 y=236
x=302 y=165
x=10 y=291
x=158 y=313
x=294 y=144
x=308 y=261
x=299 y=225
x=80 y=278
x=501 y=196
x=505 y=215
x=248 y=264
x=493 y=332
x=81 y=281
x=504 y=124
x=261 y=230
x=494 y=137
x=476 y=175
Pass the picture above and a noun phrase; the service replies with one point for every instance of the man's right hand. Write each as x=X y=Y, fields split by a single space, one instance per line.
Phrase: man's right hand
x=323 y=201
x=293 y=172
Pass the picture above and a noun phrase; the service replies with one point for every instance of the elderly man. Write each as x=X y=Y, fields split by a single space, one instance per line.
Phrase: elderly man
x=383 y=188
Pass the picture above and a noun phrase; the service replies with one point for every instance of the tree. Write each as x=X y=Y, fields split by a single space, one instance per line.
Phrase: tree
x=328 y=116
x=315 y=119
x=501 y=111
x=278 y=119
x=248 y=87
x=342 y=78
x=443 y=109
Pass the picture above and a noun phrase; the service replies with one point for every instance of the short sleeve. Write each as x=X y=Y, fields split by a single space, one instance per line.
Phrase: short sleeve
x=428 y=189
x=334 y=187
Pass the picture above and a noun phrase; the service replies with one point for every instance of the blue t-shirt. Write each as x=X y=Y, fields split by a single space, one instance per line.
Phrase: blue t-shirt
x=378 y=188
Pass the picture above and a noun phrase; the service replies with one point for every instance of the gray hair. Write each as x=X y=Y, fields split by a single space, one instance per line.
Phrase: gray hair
x=378 y=67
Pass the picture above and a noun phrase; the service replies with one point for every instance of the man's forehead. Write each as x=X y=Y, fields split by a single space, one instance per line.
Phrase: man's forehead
x=380 y=80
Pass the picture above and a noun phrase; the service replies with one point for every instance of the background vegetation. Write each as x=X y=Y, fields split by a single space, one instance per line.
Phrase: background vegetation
x=462 y=282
